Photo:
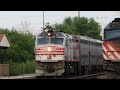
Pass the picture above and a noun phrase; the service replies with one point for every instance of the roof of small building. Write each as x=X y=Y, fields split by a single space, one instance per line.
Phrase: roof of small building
x=3 y=41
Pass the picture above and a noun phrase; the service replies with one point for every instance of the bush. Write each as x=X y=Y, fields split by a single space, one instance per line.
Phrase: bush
x=22 y=68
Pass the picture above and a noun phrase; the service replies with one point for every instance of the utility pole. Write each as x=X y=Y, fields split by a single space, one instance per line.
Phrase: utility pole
x=78 y=13
x=43 y=20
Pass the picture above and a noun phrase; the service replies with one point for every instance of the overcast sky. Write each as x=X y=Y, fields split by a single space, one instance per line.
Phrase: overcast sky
x=9 y=19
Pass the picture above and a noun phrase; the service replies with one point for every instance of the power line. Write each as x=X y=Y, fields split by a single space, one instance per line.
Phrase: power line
x=43 y=19
x=78 y=13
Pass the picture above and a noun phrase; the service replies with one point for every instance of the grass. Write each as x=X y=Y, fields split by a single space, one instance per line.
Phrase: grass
x=22 y=68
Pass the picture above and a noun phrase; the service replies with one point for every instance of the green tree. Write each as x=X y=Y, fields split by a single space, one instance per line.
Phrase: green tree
x=81 y=26
x=22 y=47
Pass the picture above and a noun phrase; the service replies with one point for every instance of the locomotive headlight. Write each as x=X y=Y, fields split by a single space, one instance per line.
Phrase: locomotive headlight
x=59 y=57
x=49 y=34
x=49 y=49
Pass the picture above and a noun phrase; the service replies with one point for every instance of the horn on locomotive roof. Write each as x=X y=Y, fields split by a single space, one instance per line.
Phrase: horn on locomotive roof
x=48 y=28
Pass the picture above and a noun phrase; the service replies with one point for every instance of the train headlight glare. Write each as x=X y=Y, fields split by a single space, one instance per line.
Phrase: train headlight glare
x=49 y=49
x=59 y=57
x=48 y=34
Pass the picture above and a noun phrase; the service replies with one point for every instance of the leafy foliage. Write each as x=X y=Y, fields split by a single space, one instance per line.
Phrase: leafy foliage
x=22 y=47
x=22 y=68
x=80 y=26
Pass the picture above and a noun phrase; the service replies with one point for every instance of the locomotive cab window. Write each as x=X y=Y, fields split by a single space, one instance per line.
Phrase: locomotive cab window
x=111 y=34
x=56 y=40
x=42 y=41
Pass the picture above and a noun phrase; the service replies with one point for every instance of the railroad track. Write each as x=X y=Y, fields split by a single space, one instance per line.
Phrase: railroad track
x=25 y=76
x=106 y=74
x=92 y=76
x=111 y=73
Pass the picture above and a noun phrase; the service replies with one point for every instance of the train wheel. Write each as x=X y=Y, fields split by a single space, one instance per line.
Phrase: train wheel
x=66 y=73
x=78 y=68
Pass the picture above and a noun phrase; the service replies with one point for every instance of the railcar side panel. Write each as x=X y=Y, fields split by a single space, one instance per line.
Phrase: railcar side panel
x=84 y=51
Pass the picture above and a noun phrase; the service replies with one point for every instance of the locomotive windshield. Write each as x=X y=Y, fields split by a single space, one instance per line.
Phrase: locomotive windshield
x=112 y=34
x=42 y=41
x=56 y=40
x=52 y=40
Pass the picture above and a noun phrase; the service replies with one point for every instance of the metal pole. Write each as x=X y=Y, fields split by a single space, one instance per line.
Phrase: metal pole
x=43 y=20
x=78 y=13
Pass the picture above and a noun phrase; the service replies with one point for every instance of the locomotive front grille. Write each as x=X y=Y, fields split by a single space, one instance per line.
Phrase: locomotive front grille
x=50 y=67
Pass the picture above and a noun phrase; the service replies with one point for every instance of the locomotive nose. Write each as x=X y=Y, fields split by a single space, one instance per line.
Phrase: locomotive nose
x=49 y=48
x=50 y=69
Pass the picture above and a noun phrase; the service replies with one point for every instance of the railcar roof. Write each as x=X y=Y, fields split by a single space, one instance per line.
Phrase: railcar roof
x=115 y=24
x=81 y=37
x=90 y=39
x=108 y=26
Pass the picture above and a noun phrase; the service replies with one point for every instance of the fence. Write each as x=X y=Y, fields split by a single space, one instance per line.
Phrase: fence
x=4 y=69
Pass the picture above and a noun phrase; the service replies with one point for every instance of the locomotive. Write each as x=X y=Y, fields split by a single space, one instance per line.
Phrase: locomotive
x=111 y=45
x=58 y=53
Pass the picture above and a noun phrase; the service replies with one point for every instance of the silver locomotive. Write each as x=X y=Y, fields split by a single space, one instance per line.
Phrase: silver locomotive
x=58 y=53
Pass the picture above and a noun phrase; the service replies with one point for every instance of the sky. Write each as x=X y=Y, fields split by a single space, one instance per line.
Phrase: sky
x=9 y=19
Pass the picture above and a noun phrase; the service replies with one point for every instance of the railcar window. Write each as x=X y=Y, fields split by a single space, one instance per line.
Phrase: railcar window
x=99 y=44
x=73 y=39
x=84 y=41
x=96 y=44
x=92 y=43
x=56 y=40
x=42 y=41
x=89 y=42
